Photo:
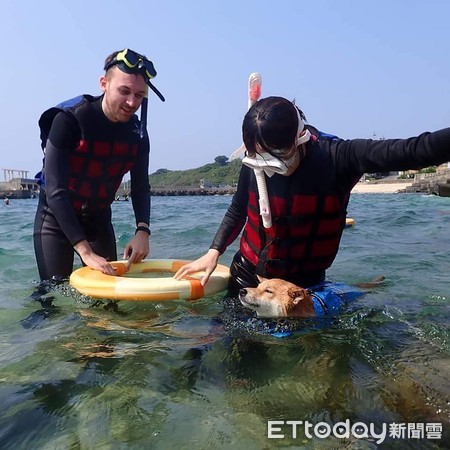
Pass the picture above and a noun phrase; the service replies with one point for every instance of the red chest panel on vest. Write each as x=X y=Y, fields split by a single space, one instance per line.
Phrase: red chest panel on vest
x=304 y=237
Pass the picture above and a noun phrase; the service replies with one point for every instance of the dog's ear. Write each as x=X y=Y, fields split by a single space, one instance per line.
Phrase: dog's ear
x=297 y=294
x=261 y=279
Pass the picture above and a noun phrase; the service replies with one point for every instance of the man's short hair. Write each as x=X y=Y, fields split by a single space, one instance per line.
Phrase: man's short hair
x=110 y=58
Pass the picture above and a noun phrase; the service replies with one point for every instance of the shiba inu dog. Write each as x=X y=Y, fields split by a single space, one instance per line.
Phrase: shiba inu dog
x=274 y=298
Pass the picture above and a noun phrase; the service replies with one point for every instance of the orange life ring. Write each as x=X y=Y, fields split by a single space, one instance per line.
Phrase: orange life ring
x=138 y=285
x=349 y=222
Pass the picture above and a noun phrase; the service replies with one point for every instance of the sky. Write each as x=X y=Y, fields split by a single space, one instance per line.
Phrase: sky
x=358 y=69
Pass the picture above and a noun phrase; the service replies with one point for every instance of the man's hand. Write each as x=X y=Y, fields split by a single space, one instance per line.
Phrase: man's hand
x=91 y=259
x=137 y=249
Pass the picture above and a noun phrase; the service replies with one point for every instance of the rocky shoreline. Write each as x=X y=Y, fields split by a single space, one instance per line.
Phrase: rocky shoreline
x=431 y=184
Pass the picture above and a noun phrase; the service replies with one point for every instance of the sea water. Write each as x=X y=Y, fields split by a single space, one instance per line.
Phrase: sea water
x=76 y=374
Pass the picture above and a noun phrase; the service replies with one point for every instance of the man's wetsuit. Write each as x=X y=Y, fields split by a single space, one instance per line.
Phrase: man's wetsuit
x=85 y=159
x=309 y=207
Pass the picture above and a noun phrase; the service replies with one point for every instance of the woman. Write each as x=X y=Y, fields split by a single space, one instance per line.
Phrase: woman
x=294 y=231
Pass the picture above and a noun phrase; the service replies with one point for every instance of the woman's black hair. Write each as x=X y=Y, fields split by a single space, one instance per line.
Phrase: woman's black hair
x=271 y=123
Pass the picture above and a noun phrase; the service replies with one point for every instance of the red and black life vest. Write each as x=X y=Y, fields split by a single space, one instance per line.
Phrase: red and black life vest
x=308 y=218
x=105 y=153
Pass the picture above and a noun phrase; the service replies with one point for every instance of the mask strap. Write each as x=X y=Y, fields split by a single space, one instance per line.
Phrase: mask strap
x=144 y=107
x=305 y=137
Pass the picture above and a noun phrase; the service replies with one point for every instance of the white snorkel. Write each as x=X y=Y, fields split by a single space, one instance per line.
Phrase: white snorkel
x=264 y=163
x=254 y=93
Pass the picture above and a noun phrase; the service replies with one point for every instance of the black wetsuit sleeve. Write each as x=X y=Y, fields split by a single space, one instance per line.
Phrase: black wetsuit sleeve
x=359 y=156
x=140 y=187
x=63 y=137
x=236 y=215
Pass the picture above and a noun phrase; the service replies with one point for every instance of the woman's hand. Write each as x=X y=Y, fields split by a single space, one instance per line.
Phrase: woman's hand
x=207 y=262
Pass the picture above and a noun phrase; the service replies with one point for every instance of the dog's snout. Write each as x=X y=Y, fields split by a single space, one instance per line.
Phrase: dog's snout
x=242 y=292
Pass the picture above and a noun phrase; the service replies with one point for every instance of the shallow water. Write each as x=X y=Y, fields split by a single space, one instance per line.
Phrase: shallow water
x=204 y=374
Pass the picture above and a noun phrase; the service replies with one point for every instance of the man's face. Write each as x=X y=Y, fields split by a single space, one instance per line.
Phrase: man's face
x=124 y=93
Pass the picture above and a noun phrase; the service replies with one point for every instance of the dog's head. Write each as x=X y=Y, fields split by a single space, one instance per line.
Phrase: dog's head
x=277 y=298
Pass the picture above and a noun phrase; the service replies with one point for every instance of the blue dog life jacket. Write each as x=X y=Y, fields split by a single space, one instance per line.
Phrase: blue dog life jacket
x=328 y=299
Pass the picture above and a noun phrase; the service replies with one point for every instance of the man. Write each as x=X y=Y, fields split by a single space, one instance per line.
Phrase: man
x=90 y=144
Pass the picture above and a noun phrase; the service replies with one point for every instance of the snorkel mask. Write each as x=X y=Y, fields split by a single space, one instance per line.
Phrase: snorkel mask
x=275 y=161
x=129 y=61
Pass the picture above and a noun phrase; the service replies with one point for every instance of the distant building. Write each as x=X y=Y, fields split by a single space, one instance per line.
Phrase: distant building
x=205 y=184
x=10 y=174
x=19 y=188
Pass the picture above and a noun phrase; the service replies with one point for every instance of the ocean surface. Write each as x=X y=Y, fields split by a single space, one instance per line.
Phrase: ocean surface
x=79 y=374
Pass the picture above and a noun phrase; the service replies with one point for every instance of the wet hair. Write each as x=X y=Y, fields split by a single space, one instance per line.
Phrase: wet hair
x=271 y=123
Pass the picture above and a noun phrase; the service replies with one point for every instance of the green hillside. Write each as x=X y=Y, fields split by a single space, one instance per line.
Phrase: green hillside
x=220 y=173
